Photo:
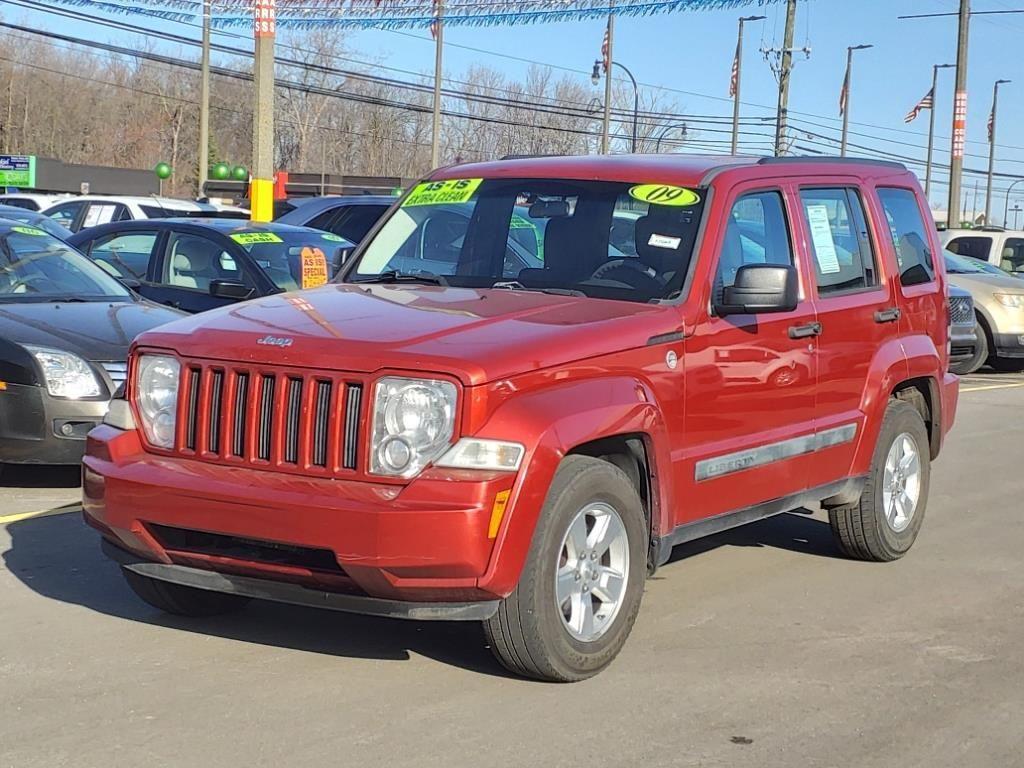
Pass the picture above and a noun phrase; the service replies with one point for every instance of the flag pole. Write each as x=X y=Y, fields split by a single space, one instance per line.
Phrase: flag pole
x=734 y=83
x=606 y=123
x=931 y=136
x=435 y=139
x=991 y=150
x=844 y=101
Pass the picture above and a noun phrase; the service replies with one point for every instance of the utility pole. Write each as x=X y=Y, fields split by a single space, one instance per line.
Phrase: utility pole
x=437 y=27
x=931 y=129
x=261 y=187
x=844 y=98
x=734 y=84
x=606 y=57
x=784 y=71
x=204 y=103
x=959 y=136
x=974 y=207
x=991 y=150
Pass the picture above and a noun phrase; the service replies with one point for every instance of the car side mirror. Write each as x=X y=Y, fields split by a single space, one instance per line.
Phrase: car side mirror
x=131 y=283
x=761 y=288
x=341 y=255
x=230 y=289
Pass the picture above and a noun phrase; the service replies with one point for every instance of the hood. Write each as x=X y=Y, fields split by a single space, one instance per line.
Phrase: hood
x=987 y=284
x=477 y=335
x=95 y=330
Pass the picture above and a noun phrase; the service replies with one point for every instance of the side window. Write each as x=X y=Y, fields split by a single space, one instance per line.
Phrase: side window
x=909 y=235
x=193 y=261
x=973 y=247
x=840 y=244
x=756 y=233
x=66 y=214
x=1012 y=257
x=322 y=220
x=124 y=255
x=356 y=221
x=101 y=213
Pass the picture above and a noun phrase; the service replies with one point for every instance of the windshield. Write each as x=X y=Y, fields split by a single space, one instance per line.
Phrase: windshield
x=37 y=267
x=41 y=222
x=613 y=240
x=294 y=259
x=961 y=265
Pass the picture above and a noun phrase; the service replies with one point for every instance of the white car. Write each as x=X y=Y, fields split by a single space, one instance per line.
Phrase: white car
x=1000 y=247
x=91 y=210
x=31 y=201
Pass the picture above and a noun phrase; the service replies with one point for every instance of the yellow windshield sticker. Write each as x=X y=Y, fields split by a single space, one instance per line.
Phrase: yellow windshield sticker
x=664 y=194
x=314 y=267
x=333 y=238
x=440 y=192
x=29 y=231
x=255 y=238
x=518 y=222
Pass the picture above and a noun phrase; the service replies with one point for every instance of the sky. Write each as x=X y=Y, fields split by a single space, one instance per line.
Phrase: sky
x=690 y=55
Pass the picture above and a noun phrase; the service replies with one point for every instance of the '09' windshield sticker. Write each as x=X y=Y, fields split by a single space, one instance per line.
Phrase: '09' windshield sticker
x=440 y=192
x=664 y=194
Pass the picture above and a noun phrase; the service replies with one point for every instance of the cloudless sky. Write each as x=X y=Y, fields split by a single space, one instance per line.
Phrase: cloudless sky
x=692 y=52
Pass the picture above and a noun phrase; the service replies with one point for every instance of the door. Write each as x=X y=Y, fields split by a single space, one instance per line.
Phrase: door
x=858 y=313
x=750 y=379
x=1011 y=256
x=190 y=262
x=68 y=215
x=125 y=255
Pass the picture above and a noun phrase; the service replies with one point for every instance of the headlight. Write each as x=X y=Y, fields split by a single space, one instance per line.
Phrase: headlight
x=1012 y=300
x=413 y=421
x=156 y=396
x=66 y=375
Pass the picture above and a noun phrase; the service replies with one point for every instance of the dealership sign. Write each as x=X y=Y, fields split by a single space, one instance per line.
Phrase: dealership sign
x=18 y=171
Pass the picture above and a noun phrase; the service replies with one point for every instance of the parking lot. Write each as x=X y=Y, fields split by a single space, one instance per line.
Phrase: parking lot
x=758 y=647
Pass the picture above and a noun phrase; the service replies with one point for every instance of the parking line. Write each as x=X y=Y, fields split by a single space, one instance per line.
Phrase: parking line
x=992 y=386
x=5 y=519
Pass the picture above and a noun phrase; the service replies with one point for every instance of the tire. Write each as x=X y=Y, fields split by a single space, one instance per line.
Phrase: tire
x=863 y=529
x=1007 y=364
x=531 y=634
x=965 y=367
x=181 y=600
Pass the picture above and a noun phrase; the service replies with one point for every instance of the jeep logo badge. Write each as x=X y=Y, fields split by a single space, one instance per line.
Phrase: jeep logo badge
x=276 y=341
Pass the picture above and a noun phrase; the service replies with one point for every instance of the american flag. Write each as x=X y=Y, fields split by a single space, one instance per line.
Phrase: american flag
x=991 y=122
x=734 y=79
x=926 y=102
x=606 y=49
x=435 y=21
x=844 y=93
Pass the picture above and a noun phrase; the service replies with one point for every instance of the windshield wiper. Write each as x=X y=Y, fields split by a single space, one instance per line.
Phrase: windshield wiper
x=394 y=276
x=515 y=285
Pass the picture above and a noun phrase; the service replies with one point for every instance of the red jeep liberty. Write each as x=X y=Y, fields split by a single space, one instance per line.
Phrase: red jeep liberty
x=531 y=381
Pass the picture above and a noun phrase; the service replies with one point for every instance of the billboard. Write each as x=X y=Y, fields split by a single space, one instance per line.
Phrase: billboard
x=18 y=171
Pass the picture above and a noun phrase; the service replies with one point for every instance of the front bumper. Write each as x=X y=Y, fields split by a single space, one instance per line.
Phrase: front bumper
x=425 y=541
x=1009 y=344
x=963 y=342
x=32 y=425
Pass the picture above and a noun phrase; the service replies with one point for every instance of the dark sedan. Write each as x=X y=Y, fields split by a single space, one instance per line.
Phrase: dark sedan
x=65 y=329
x=348 y=216
x=200 y=264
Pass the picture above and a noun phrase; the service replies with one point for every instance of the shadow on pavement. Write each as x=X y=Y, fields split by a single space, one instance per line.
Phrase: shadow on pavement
x=58 y=556
x=40 y=476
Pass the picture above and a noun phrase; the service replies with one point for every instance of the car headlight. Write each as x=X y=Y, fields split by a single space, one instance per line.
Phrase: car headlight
x=156 y=397
x=413 y=422
x=1012 y=300
x=66 y=375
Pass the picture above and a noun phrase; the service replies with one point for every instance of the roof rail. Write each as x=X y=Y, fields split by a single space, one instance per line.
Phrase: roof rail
x=528 y=157
x=990 y=228
x=829 y=159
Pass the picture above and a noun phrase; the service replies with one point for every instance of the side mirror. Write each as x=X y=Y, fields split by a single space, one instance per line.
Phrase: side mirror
x=341 y=255
x=230 y=289
x=131 y=283
x=761 y=288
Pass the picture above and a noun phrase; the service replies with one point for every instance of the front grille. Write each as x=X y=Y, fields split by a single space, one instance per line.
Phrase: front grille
x=961 y=310
x=117 y=371
x=287 y=420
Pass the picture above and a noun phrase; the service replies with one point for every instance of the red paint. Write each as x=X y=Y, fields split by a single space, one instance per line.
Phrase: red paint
x=551 y=372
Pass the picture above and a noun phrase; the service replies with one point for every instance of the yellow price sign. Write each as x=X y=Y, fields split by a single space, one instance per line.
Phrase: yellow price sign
x=440 y=192
x=255 y=238
x=664 y=194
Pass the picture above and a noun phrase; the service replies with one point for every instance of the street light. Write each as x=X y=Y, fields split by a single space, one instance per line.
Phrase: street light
x=595 y=78
x=1006 y=205
x=683 y=130
x=992 y=149
x=845 y=101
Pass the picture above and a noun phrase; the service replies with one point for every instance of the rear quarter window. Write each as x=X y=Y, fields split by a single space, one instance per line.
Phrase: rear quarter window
x=909 y=235
x=972 y=247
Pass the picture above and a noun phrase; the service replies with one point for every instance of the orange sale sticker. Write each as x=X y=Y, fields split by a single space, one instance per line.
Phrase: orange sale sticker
x=314 y=267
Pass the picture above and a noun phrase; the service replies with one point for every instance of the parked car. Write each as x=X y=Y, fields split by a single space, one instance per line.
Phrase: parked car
x=87 y=211
x=1002 y=248
x=199 y=264
x=30 y=201
x=33 y=219
x=350 y=216
x=999 y=311
x=965 y=350
x=65 y=327
x=523 y=446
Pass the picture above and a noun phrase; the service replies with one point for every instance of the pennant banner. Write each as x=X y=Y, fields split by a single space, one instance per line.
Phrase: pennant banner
x=397 y=14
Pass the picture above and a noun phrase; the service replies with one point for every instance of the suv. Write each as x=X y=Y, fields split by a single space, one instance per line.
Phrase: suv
x=993 y=245
x=521 y=445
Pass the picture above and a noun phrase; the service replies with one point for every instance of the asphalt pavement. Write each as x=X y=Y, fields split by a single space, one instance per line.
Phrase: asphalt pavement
x=759 y=647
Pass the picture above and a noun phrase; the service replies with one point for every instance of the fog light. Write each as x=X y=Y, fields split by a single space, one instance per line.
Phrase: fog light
x=1020 y=340
x=395 y=453
x=67 y=430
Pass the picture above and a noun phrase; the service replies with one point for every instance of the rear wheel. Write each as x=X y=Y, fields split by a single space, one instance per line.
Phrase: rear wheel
x=181 y=600
x=883 y=524
x=582 y=583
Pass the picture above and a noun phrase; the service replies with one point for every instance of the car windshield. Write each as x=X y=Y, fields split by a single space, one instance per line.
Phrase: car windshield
x=37 y=267
x=294 y=258
x=612 y=240
x=41 y=222
x=961 y=265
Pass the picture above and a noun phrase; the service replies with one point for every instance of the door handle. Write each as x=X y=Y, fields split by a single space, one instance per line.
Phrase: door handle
x=887 y=315
x=804 y=331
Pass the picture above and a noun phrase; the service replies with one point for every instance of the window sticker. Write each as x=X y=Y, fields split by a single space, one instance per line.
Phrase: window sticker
x=255 y=238
x=664 y=194
x=663 y=241
x=314 y=267
x=333 y=238
x=440 y=192
x=518 y=222
x=821 y=236
x=29 y=231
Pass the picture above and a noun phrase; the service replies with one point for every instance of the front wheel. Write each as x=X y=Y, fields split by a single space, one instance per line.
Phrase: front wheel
x=582 y=583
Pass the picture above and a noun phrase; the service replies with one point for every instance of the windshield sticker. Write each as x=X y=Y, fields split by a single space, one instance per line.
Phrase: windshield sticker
x=664 y=241
x=333 y=238
x=314 y=267
x=664 y=194
x=440 y=192
x=29 y=231
x=821 y=236
x=518 y=222
x=255 y=238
